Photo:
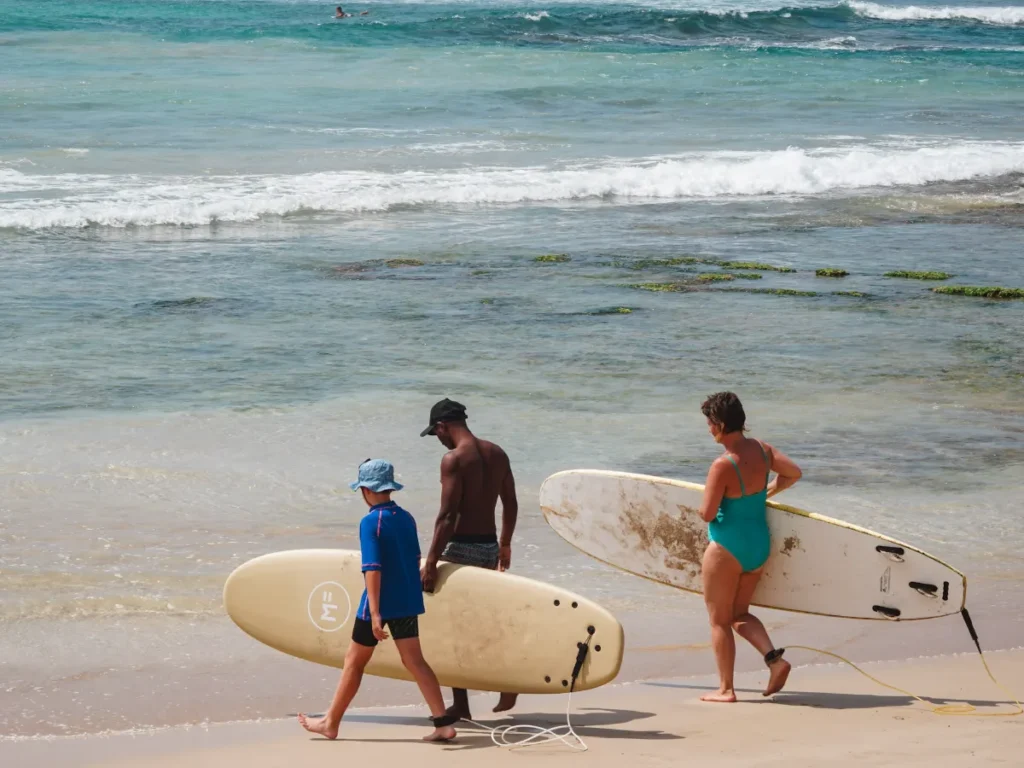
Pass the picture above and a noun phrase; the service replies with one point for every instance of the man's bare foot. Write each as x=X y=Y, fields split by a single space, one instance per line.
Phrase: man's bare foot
x=456 y=711
x=779 y=674
x=505 y=702
x=720 y=697
x=447 y=733
x=319 y=725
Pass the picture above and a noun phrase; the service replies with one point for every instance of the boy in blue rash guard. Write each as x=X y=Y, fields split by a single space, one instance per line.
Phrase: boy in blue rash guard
x=392 y=598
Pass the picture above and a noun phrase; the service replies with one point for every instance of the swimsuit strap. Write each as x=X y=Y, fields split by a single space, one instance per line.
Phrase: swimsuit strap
x=743 y=490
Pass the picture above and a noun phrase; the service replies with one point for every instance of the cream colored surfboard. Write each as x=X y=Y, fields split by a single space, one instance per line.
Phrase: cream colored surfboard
x=483 y=630
x=651 y=527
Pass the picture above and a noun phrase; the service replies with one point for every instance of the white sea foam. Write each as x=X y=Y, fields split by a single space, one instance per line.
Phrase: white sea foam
x=536 y=16
x=79 y=200
x=999 y=15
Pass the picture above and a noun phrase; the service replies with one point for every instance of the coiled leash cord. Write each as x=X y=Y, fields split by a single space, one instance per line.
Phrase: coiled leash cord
x=967 y=710
x=520 y=736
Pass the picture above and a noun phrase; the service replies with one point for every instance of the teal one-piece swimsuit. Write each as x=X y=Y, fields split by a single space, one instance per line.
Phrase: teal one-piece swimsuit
x=741 y=525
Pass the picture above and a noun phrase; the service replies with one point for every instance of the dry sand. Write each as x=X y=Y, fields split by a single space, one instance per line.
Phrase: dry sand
x=830 y=715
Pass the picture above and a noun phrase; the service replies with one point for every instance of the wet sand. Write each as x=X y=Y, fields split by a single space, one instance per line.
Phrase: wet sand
x=828 y=715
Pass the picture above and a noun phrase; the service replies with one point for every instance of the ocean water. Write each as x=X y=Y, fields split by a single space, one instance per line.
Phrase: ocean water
x=243 y=246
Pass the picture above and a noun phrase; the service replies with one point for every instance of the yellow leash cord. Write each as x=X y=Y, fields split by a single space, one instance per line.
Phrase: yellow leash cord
x=945 y=709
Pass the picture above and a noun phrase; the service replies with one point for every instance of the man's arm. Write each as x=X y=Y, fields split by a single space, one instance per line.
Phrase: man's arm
x=447 y=518
x=509 y=515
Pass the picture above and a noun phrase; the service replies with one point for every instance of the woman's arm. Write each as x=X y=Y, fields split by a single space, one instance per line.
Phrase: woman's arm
x=785 y=469
x=714 y=489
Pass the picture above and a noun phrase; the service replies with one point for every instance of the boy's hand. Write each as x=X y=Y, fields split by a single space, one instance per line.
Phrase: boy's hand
x=428 y=575
x=378 y=627
x=504 y=557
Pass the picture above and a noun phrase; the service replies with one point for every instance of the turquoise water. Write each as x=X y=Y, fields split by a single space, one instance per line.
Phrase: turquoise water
x=244 y=245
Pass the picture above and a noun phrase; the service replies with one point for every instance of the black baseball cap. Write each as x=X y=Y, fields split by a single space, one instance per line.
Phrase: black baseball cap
x=444 y=410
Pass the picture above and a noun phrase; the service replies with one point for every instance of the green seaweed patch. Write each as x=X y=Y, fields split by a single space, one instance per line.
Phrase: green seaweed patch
x=552 y=258
x=613 y=311
x=854 y=294
x=653 y=263
x=397 y=263
x=746 y=275
x=488 y=302
x=659 y=287
x=481 y=272
x=715 y=277
x=750 y=265
x=983 y=292
x=912 y=275
x=830 y=272
x=769 y=291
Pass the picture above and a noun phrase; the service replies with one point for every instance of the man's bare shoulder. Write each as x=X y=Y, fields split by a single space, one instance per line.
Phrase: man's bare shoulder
x=450 y=462
x=492 y=450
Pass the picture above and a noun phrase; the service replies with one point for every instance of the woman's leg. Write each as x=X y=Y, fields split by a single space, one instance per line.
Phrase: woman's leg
x=750 y=628
x=721 y=573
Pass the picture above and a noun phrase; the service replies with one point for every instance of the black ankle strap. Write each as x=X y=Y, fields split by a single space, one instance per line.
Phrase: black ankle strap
x=772 y=656
x=444 y=720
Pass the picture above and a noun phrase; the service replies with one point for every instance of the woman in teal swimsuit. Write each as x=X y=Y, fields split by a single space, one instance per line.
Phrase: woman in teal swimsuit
x=734 y=506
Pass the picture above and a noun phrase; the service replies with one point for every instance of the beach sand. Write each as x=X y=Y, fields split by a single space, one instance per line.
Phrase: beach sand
x=830 y=715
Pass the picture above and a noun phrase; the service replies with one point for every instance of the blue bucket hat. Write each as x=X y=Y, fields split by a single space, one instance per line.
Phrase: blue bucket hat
x=376 y=475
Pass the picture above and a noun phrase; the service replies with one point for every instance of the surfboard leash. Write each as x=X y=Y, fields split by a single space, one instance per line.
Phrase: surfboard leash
x=964 y=710
x=518 y=736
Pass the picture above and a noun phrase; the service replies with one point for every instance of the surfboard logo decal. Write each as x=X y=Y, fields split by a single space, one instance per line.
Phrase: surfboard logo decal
x=883 y=583
x=328 y=606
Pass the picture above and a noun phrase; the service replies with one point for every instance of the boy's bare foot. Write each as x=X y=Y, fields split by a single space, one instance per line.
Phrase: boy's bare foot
x=319 y=725
x=506 y=702
x=779 y=674
x=443 y=734
x=720 y=697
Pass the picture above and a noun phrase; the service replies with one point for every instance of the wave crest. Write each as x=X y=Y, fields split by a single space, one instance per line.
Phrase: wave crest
x=997 y=15
x=72 y=200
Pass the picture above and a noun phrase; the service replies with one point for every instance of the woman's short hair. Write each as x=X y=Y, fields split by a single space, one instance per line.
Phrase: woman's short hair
x=725 y=409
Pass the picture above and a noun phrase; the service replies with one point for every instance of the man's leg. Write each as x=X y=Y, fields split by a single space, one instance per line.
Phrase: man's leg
x=356 y=659
x=488 y=560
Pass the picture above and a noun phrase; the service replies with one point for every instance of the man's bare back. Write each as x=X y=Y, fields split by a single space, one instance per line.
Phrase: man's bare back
x=483 y=469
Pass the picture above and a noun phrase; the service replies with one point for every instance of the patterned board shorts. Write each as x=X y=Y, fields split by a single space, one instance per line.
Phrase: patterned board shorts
x=479 y=554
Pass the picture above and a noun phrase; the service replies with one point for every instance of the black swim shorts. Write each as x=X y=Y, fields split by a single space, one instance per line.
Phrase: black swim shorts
x=404 y=628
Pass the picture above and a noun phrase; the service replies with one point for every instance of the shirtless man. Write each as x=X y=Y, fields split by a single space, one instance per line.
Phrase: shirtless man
x=474 y=475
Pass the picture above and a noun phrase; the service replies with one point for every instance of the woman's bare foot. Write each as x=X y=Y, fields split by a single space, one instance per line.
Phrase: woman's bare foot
x=779 y=674
x=444 y=734
x=727 y=696
x=506 y=702
x=319 y=725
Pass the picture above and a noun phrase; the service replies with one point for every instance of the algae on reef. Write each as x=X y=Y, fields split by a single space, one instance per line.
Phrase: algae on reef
x=751 y=265
x=984 y=292
x=912 y=275
x=770 y=291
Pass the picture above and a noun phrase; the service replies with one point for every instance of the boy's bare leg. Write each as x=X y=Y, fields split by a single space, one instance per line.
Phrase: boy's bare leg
x=356 y=659
x=412 y=657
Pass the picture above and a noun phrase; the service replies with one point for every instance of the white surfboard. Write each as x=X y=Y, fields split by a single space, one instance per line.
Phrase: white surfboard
x=483 y=630
x=651 y=527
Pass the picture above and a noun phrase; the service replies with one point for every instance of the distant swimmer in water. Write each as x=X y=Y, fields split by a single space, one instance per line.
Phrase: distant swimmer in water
x=340 y=14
